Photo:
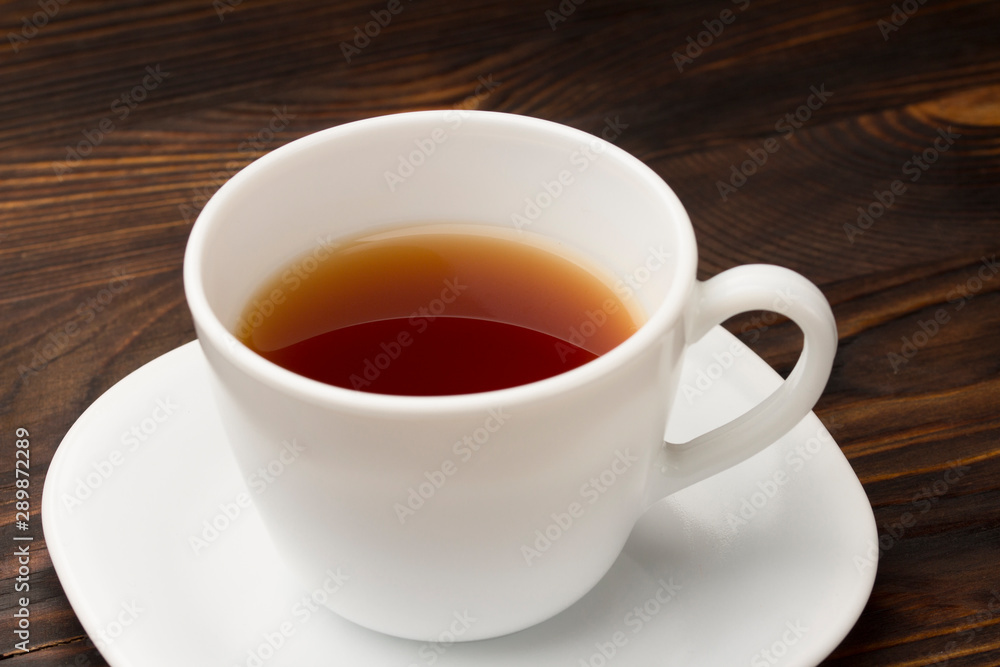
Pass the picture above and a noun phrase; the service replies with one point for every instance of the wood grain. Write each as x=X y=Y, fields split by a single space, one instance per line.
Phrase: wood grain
x=124 y=211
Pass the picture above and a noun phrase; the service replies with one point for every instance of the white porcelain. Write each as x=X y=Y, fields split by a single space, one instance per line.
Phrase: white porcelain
x=519 y=500
x=791 y=580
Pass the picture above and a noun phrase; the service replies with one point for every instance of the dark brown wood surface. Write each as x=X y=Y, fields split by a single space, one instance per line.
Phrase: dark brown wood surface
x=97 y=185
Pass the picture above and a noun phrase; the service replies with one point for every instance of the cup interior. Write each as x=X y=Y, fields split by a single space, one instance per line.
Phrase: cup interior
x=469 y=167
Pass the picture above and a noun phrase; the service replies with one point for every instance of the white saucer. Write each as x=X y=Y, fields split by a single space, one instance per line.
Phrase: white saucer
x=772 y=555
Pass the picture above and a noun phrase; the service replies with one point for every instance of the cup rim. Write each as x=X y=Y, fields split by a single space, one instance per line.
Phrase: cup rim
x=212 y=332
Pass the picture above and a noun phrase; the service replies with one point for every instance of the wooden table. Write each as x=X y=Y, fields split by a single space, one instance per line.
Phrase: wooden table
x=857 y=143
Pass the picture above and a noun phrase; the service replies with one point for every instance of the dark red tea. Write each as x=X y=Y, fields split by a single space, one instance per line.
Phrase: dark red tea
x=437 y=310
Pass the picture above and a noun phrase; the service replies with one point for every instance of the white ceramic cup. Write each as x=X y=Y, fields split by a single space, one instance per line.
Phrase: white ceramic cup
x=475 y=515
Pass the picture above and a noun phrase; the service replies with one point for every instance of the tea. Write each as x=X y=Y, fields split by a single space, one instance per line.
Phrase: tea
x=437 y=310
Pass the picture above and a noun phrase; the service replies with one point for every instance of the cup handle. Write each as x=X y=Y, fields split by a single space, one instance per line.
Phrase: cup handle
x=741 y=289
